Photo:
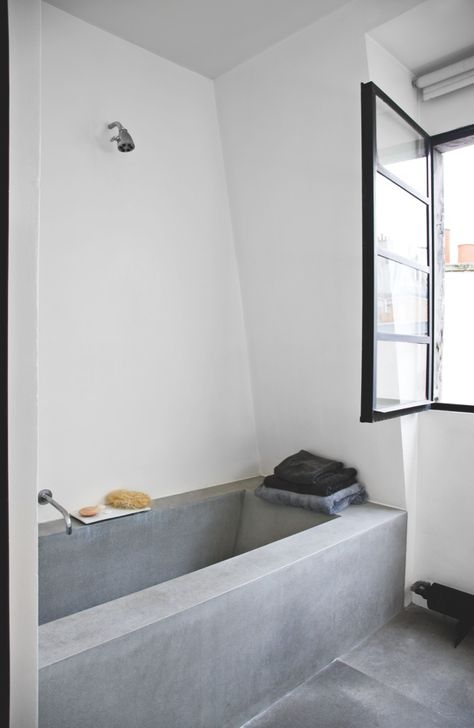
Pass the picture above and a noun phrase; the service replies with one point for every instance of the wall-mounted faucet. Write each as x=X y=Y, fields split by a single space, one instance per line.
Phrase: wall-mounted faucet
x=44 y=497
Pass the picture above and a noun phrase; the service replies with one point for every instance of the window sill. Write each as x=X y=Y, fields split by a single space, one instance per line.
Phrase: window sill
x=397 y=411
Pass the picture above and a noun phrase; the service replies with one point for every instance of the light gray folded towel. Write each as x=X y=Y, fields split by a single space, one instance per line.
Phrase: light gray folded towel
x=330 y=504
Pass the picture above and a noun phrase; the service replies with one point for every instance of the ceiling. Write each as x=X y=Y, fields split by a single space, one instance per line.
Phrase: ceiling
x=432 y=34
x=207 y=36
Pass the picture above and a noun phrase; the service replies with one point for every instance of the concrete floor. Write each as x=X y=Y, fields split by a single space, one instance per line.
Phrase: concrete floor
x=406 y=675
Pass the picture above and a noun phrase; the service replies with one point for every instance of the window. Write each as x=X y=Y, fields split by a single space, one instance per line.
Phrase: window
x=405 y=364
x=453 y=240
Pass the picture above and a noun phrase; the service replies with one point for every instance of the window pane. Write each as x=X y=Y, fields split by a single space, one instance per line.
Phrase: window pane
x=402 y=299
x=401 y=373
x=456 y=283
x=457 y=367
x=400 y=148
x=401 y=221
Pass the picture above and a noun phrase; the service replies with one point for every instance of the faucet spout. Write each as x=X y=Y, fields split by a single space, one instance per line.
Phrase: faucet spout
x=44 y=497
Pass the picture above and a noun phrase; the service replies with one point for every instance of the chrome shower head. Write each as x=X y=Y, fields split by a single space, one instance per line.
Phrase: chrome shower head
x=124 y=140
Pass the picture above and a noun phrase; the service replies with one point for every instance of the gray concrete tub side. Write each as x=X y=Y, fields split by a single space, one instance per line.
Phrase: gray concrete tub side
x=212 y=648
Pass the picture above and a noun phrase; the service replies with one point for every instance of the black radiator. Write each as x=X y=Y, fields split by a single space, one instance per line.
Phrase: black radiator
x=453 y=603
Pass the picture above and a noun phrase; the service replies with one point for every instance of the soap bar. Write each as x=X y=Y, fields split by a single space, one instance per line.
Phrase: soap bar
x=89 y=511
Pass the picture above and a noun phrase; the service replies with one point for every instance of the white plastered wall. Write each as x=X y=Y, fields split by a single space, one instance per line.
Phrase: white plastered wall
x=392 y=77
x=24 y=31
x=445 y=514
x=447 y=112
x=290 y=121
x=143 y=369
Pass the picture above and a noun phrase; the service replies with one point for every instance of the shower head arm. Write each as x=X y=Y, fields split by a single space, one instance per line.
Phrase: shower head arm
x=115 y=123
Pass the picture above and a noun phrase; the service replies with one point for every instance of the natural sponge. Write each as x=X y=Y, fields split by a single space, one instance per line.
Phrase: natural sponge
x=127 y=499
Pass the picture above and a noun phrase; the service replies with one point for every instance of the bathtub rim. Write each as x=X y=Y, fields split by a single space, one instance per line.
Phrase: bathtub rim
x=56 y=526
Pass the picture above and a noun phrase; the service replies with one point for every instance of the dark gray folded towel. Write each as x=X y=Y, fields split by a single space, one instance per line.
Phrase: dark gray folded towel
x=326 y=484
x=330 y=505
x=305 y=468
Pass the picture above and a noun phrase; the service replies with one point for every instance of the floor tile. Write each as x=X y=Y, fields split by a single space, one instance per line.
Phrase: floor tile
x=342 y=697
x=414 y=654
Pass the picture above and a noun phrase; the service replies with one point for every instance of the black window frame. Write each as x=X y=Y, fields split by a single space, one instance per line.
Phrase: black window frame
x=370 y=168
x=4 y=243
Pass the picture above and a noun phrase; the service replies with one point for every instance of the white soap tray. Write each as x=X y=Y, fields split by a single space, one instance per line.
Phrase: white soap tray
x=106 y=513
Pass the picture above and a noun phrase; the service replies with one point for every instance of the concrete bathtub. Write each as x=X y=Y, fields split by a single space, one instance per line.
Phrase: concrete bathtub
x=203 y=611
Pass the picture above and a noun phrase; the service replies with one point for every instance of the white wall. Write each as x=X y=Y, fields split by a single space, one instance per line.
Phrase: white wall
x=144 y=378
x=24 y=30
x=389 y=74
x=392 y=77
x=445 y=533
x=291 y=124
x=290 y=121
x=447 y=112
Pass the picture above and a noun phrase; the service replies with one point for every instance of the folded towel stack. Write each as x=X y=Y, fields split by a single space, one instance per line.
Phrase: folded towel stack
x=313 y=482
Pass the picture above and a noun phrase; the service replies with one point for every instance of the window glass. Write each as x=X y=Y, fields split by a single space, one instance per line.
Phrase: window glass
x=402 y=299
x=456 y=307
x=400 y=148
x=401 y=373
x=400 y=220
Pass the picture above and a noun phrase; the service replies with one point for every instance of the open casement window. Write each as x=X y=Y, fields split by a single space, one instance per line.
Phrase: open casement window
x=404 y=255
x=397 y=337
